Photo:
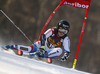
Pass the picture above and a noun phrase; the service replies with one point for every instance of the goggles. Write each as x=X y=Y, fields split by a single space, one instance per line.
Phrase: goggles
x=63 y=31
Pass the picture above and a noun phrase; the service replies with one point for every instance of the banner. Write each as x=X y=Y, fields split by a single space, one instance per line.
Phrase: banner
x=85 y=4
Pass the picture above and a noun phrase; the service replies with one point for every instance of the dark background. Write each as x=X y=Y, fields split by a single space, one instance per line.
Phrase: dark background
x=30 y=16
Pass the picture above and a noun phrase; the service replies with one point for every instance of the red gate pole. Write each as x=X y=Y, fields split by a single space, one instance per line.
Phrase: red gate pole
x=61 y=3
x=75 y=60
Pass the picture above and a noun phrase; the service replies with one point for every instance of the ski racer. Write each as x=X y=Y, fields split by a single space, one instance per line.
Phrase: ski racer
x=53 y=43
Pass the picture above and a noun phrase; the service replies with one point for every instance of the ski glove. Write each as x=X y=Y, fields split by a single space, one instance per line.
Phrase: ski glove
x=64 y=58
x=42 y=50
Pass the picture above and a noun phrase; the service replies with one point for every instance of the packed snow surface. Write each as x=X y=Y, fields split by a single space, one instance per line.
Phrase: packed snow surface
x=13 y=64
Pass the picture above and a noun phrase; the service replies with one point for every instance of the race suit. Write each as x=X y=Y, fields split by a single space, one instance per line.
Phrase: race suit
x=54 y=45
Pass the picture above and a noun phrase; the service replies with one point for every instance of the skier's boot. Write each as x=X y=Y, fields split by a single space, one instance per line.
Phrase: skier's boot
x=5 y=47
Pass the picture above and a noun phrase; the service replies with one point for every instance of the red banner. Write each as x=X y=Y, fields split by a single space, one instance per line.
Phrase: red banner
x=85 y=4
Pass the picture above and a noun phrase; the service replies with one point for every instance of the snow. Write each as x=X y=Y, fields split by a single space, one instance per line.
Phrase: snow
x=13 y=64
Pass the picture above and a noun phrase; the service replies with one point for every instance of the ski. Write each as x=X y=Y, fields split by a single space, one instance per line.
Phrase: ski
x=34 y=55
x=28 y=55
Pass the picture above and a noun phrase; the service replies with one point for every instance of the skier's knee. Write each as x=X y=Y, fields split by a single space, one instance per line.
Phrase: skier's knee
x=56 y=52
x=33 y=48
x=59 y=50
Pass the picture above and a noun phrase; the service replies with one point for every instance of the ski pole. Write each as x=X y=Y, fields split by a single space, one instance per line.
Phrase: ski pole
x=19 y=30
x=17 y=27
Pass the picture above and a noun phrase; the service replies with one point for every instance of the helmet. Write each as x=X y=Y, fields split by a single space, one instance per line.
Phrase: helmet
x=63 y=26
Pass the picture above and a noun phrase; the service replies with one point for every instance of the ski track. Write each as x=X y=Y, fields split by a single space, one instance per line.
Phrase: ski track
x=13 y=64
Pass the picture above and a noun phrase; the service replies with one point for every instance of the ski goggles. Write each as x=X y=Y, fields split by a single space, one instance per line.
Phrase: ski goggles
x=63 y=31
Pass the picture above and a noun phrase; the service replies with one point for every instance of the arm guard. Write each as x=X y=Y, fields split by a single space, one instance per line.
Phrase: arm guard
x=43 y=38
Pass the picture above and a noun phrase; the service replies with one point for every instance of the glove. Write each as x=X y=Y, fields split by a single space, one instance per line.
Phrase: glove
x=42 y=50
x=64 y=58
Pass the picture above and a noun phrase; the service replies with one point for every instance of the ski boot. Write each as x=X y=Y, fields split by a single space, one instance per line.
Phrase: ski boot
x=16 y=51
x=5 y=47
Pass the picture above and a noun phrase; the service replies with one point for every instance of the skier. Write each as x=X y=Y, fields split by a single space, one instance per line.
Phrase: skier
x=52 y=44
